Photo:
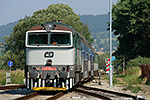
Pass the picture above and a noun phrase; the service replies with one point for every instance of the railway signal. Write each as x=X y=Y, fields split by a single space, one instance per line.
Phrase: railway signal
x=107 y=61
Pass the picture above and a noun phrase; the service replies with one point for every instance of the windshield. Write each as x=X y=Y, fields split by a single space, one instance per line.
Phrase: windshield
x=49 y=39
x=38 y=38
x=60 y=38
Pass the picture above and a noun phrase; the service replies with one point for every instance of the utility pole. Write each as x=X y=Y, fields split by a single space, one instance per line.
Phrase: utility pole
x=123 y=65
x=110 y=67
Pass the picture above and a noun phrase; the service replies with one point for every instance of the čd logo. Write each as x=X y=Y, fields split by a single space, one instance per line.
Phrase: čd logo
x=49 y=54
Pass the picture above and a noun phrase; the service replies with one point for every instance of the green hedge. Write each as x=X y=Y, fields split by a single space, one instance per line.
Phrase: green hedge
x=137 y=62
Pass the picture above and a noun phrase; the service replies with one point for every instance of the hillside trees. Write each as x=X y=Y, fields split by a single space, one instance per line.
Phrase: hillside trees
x=5 y=30
x=131 y=21
x=14 y=46
x=102 y=41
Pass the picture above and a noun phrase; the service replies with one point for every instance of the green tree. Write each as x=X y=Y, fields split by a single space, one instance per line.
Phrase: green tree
x=14 y=46
x=102 y=60
x=131 y=21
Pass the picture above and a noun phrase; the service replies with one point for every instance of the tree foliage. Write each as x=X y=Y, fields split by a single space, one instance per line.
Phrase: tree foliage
x=101 y=41
x=131 y=21
x=5 y=30
x=14 y=46
x=102 y=60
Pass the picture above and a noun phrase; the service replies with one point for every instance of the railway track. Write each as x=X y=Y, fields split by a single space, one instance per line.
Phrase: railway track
x=101 y=96
x=28 y=96
x=53 y=97
x=46 y=96
x=58 y=95
x=95 y=92
x=12 y=87
x=104 y=94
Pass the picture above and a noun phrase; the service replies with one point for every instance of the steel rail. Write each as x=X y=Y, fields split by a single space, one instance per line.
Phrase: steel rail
x=112 y=92
x=101 y=96
x=12 y=87
x=28 y=96
x=56 y=96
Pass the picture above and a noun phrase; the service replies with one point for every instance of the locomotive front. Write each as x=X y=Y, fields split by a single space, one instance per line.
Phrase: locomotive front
x=49 y=58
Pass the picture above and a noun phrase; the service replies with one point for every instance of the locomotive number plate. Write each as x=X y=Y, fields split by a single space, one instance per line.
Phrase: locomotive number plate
x=48 y=68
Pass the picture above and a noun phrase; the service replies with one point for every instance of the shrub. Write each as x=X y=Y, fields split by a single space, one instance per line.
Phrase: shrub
x=132 y=76
x=16 y=77
x=2 y=77
x=137 y=62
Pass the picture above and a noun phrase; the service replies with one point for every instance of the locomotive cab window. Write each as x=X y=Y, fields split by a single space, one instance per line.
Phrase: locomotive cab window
x=49 y=39
x=60 y=39
x=37 y=39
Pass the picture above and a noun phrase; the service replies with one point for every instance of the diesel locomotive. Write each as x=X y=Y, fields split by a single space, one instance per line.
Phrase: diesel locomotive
x=57 y=57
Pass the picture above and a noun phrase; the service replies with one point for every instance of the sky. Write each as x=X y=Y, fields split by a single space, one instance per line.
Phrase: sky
x=13 y=10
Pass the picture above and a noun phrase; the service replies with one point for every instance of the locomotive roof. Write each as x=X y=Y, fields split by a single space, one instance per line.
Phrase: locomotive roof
x=59 y=26
x=62 y=26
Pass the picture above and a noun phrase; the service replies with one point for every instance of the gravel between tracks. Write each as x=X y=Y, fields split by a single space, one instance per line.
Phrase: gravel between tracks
x=105 y=85
x=12 y=94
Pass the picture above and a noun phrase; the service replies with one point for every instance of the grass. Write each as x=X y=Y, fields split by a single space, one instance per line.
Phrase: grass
x=2 y=77
x=115 y=81
x=131 y=80
x=120 y=76
x=134 y=89
x=17 y=77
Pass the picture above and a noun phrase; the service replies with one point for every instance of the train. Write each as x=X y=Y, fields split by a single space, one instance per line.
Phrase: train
x=57 y=57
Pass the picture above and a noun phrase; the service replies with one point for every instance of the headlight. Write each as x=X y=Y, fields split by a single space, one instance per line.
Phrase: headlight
x=63 y=68
x=48 y=27
x=59 y=68
x=33 y=68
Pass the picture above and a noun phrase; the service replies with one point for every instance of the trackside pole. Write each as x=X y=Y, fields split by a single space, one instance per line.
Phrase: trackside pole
x=99 y=74
x=110 y=67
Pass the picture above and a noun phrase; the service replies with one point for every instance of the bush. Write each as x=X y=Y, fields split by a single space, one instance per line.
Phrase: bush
x=16 y=77
x=132 y=76
x=132 y=71
x=2 y=77
x=137 y=62
x=102 y=63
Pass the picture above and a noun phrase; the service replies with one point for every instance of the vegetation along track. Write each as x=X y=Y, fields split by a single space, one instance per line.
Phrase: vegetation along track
x=104 y=94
